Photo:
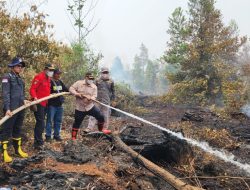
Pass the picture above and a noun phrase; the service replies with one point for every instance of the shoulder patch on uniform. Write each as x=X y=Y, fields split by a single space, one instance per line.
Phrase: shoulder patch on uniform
x=5 y=80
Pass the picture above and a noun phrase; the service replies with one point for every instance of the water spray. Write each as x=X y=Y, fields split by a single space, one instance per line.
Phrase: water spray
x=222 y=154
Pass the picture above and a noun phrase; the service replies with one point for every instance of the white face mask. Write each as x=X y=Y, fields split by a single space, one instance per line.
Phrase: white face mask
x=49 y=73
x=105 y=76
x=89 y=82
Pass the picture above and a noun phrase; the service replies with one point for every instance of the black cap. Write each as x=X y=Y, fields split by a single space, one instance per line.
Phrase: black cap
x=89 y=75
x=49 y=66
x=57 y=71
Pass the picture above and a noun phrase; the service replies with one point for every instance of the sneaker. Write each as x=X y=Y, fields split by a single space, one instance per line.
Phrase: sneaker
x=58 y=138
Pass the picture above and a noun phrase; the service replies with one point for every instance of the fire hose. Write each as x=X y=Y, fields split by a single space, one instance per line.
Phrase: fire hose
x=6 y=117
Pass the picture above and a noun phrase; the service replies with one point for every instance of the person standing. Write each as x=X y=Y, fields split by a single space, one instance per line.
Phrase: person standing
x=106 y=94
x=55 y=108
x=85 y=92
x=13 y=93
x=40 y=88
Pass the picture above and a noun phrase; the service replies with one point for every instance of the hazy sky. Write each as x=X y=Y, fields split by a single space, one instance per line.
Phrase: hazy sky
x=125 y=24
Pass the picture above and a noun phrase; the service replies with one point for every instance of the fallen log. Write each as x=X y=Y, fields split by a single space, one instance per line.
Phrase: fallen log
x=171 y=179
x=5 y=118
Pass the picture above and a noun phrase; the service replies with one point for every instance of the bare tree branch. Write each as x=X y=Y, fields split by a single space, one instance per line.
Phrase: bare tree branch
x=91 y=7
x=16 y=6
x=73 y=26
x=90 y=30
x=77 y=13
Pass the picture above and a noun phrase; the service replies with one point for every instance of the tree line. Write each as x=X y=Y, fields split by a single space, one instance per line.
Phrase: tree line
x=145 y=77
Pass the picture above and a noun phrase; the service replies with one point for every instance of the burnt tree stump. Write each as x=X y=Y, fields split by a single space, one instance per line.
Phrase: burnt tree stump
x=158 y=146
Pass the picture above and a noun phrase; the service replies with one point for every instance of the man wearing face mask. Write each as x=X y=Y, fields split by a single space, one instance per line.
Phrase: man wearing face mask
x=40 y=88
x=106 y=94
x=55 y=108
x=85 y=92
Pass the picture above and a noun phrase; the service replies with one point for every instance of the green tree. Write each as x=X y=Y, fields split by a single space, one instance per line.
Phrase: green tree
x=117 y=70
x=27 y=36
x=204 y=45
x=139 y=67
x=177 y=52
x=151 y=81
x=163 y=82
x=77 y=60
x=137 y=75
x=81 y=58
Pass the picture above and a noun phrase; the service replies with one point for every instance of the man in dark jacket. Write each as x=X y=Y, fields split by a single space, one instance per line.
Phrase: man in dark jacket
x=55 y=108
x=13 y=97
x=40 y=88
x=106 y=94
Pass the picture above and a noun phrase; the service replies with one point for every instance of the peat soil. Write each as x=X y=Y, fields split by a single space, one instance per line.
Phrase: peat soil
x=94 y=161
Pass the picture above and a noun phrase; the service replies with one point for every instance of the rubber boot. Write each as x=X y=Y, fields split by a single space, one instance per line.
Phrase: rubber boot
x=74 y=133
x=6 y=157
x=100 y=128
x=17 y=142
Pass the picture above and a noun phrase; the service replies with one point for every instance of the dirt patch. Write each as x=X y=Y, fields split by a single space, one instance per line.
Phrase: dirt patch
x=105 y=173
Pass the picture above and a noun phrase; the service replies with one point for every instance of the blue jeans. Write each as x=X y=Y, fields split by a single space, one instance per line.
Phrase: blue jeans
x=54 y=116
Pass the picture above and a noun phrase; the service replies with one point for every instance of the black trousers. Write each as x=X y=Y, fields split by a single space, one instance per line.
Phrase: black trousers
x=12 y=127
x=80 y=115
x=40 y=125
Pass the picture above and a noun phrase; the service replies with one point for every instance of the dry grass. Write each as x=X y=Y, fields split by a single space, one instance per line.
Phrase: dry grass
x=220 y=138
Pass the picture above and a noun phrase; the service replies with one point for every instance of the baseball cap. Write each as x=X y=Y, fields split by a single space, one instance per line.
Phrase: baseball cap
x=49 y=66
x=104 y=69
x=16 y=61
x=57 y=71
x=89 y=75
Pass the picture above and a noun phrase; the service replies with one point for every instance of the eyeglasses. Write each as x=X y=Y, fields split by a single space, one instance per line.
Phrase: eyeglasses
x=18 y=66
x=105 y=72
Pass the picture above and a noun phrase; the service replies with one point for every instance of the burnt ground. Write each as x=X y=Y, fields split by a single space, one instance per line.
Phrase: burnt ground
x=94 y=162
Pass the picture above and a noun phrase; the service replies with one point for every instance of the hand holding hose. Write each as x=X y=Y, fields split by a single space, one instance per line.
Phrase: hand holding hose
x=88 y=97
x=79 y=95
x=9 y=113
